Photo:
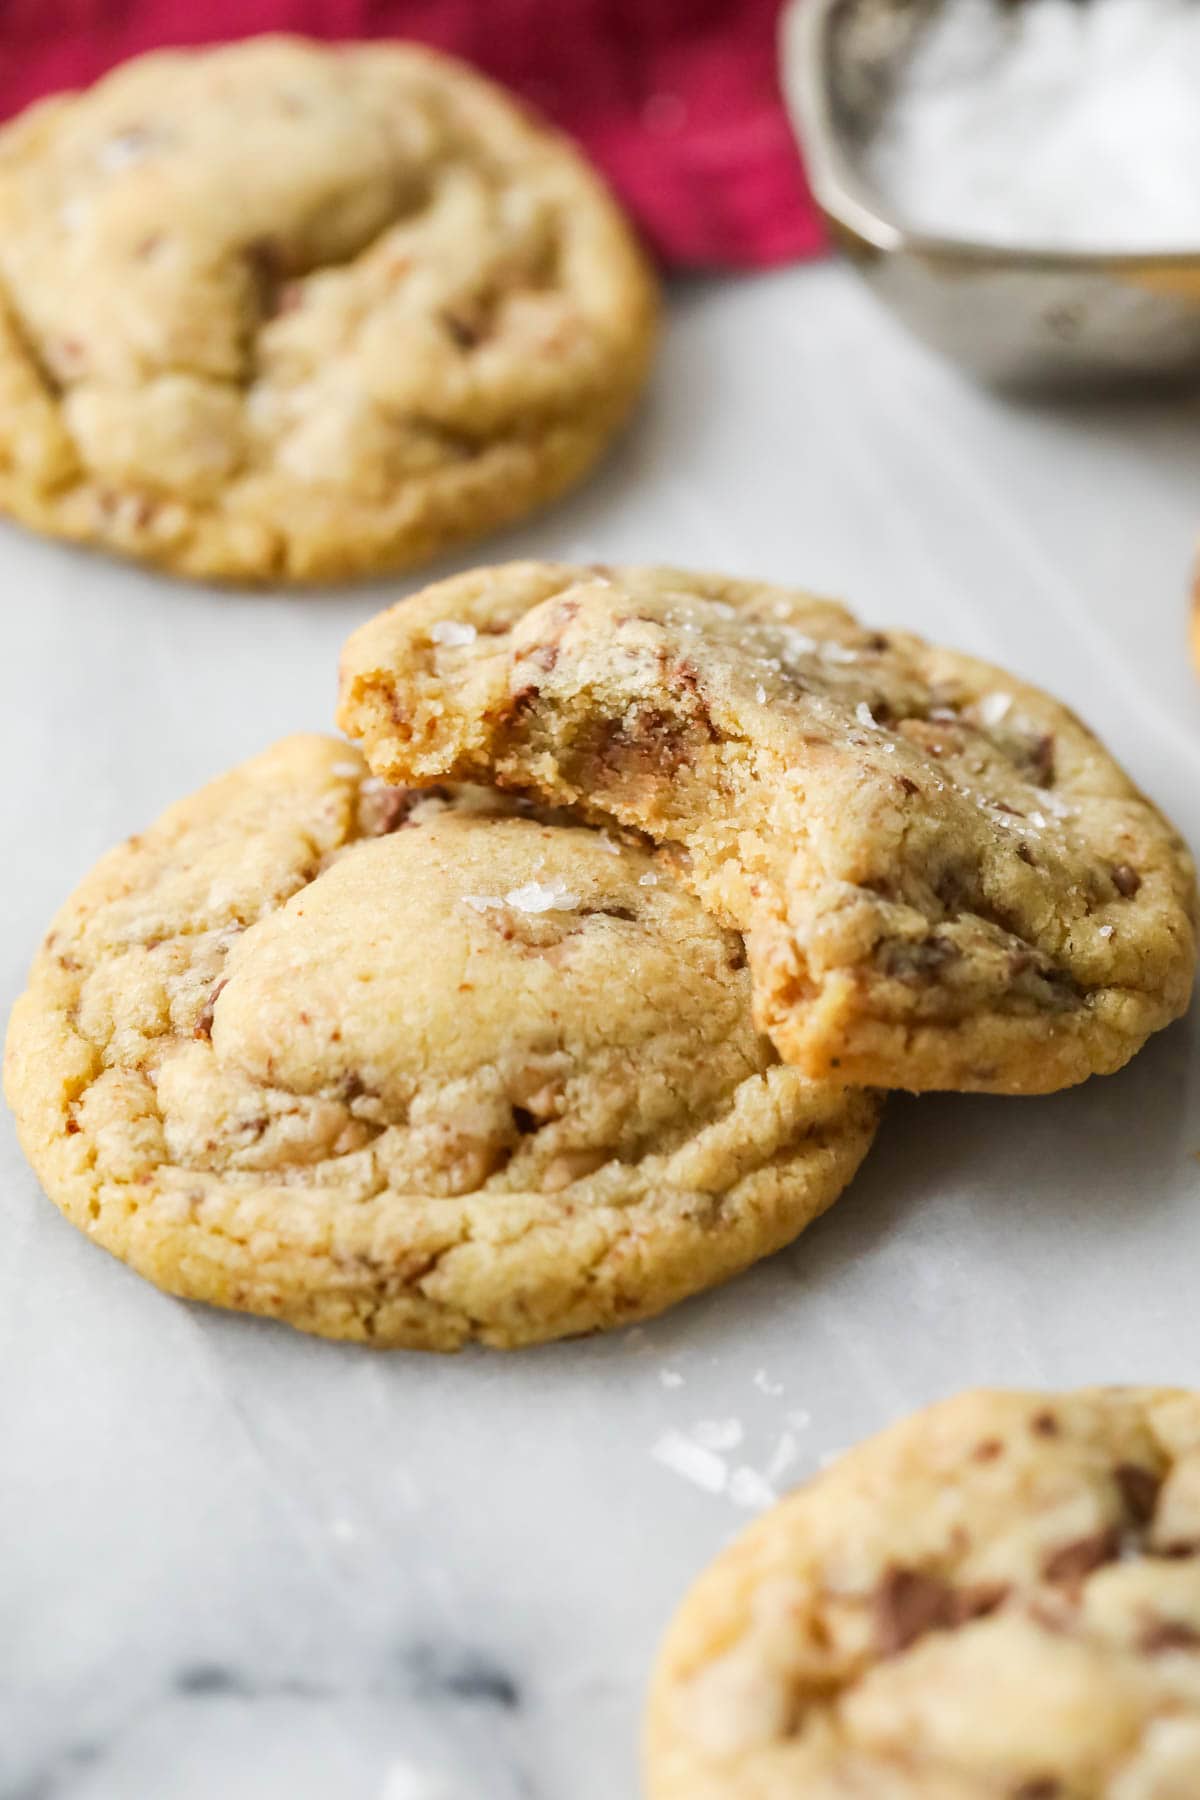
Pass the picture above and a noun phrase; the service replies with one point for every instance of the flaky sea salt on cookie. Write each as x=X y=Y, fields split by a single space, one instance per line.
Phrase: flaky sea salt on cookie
x=998 y=1599
x=277 y=311
x=945 y=879
x=405 y=1070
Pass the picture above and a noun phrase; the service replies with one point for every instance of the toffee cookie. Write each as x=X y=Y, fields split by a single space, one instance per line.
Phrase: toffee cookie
x=945 y=880
x=998 y=1599
x=481 y=1077
x=277 y=311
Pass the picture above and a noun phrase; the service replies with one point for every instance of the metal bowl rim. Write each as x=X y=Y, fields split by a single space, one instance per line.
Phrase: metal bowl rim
x=850 y=205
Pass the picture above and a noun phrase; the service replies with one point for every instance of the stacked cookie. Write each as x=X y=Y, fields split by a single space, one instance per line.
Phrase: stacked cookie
x=412 y=1062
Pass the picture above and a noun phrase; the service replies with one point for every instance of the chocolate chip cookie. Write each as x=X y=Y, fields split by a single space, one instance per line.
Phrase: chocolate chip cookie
x=998 y=1599
x=410 y=1074
x=944 y=879
x=278 y=311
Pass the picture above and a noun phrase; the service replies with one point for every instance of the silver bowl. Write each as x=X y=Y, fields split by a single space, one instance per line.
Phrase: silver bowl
x=1013 y=316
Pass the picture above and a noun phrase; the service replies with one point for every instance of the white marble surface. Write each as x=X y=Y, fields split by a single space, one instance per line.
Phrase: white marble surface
x=237 y=1563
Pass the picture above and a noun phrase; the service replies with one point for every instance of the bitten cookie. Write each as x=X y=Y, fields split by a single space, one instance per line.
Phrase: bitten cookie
x=277 y=311
x=998 y=1599
x=478 y=1077
x=945 y=880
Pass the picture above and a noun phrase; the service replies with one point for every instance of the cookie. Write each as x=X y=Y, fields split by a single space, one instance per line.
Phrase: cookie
x=410 y=1076
x=278 y=311
x=945 y=880
x=998 y=1599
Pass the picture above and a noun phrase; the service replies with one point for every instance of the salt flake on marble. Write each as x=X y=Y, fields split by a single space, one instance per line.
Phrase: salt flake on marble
x=670 y=1378
x=785 y=1453
x=718 y=1434
x=765 y=1385
x=405 y=1781
x=799 y=1417
x=542 y=896
x=748 y=1488
x=684 y=1457
x=454 y=633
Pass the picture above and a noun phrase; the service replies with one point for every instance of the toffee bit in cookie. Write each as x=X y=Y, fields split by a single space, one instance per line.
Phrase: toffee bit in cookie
x=1127 y=881
x=908 y=1603
x=204 y=1023
x=1139 y=1490
x=1071 y=1562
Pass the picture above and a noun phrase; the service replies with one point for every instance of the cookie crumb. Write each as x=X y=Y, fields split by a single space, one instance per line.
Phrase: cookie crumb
x=691 y=1460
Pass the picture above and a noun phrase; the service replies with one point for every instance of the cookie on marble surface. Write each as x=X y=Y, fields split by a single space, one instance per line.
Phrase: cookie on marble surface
x=945 y=880
x=997 y=1599
x=278 y=311
x=480 y=1077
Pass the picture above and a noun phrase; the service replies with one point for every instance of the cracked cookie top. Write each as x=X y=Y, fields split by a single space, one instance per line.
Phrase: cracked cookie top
x=998 y=1599
x=277 y=310
x=944 y=878
x=412 y=1069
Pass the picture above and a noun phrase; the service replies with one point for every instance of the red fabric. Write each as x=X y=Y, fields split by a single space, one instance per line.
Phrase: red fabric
x=676 y=100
